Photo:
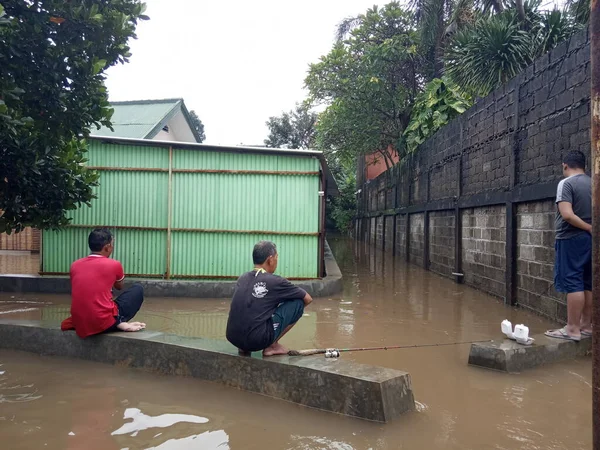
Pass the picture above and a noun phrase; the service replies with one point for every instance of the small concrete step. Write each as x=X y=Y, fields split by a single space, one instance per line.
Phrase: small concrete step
x=509 y=356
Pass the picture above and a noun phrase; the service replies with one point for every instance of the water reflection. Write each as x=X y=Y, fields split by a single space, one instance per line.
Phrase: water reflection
x=209 y=440
x=142 y=421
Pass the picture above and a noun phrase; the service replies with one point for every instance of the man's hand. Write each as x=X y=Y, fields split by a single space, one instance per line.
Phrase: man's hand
x=119 y=284
x=307 y=299
x=566 y=211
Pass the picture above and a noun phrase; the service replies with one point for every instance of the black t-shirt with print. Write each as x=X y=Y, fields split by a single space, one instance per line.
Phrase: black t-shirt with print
x=257 y=295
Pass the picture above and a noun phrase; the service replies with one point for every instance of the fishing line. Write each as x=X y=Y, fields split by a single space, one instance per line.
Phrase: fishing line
x=335 y=352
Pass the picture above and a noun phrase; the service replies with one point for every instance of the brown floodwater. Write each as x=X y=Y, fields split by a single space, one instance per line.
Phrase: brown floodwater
x=56 y=403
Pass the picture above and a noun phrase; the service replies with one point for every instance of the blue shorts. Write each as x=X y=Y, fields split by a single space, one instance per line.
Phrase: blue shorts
x=286 y=314
x=573 y=264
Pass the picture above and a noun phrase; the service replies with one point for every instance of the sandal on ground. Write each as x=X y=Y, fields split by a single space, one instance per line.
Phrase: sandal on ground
x=561 y=333
x=586 y=333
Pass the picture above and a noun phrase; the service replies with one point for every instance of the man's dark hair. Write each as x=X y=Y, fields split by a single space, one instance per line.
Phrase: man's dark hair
x=262 y=251
x=99 y=238
x=575 y=159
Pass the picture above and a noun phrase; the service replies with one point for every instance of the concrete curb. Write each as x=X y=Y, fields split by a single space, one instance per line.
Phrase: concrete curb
x=508 y=356
x=329 y=285
x=357 y=390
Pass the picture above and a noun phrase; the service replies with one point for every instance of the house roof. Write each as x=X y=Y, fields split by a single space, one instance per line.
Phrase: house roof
x=143 y=119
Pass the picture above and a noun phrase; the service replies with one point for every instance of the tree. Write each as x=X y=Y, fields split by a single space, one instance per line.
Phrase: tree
x=293 y=129
x=438 y=104
x=197 y=125
x=52 y=58
x=368 y=82
x=496 y=48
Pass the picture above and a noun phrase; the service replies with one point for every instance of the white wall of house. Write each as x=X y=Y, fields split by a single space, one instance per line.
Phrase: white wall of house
x=179 y=130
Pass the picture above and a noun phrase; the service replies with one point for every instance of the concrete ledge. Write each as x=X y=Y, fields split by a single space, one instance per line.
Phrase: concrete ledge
x=343 y=387
x=508 y=356
x=329 y=285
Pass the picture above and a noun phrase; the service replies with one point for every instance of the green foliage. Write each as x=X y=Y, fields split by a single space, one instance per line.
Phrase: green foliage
x=368 y=83
x=343 y=207
x=438 y=104
x=52 y=58
x=294 y=129
x=496 y=48
x=198 y=126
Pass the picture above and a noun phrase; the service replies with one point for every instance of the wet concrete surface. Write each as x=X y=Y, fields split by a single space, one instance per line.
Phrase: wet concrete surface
x=385 y=302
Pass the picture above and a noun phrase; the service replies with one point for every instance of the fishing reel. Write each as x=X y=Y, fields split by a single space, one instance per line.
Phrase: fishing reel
x=332 y=353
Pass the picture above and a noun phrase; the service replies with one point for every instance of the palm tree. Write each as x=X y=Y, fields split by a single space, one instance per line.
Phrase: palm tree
x=499 y=46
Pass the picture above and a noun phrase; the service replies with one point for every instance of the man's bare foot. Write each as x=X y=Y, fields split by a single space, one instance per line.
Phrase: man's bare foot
x=275 y=349
x=131 y=326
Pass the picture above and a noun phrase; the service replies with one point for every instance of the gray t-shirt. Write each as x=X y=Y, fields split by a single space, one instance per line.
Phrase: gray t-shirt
x=577 y=190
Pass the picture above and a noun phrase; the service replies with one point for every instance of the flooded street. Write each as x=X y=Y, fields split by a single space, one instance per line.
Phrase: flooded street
x=54 y=403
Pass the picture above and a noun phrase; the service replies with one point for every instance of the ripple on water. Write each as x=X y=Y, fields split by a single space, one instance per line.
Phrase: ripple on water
x=11 y=392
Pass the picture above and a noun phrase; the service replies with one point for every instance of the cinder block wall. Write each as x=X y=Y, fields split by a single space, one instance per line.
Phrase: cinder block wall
x=477 y=198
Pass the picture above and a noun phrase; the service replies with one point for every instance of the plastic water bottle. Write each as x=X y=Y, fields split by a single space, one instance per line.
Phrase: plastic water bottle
x=507 y=329
x=522 y=334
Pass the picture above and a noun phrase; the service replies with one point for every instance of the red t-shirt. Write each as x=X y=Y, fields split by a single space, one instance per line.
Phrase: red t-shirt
x=92 y=307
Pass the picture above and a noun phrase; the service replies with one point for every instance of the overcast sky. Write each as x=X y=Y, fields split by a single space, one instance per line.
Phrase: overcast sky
x=236 y=63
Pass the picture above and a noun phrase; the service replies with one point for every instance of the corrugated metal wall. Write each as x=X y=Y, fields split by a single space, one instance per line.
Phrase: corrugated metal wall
x=221 y=204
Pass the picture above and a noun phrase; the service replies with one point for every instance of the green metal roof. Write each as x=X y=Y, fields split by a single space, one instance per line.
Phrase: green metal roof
x=142 y=119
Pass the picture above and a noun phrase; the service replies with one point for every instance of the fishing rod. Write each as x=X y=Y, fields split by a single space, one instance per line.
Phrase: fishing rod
x=335 y=352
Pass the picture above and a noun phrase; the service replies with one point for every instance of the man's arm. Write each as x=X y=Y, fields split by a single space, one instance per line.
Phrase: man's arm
x=119 y=276
x=566 y=211
x=307 y=299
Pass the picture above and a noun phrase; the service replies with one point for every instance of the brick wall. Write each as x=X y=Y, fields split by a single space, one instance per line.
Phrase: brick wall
x=502 y=155
x=27 y=240
x=441 y=242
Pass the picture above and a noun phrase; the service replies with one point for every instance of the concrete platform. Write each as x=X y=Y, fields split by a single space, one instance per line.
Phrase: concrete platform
x=366 y=392
x=508 y=356
x=328 y=285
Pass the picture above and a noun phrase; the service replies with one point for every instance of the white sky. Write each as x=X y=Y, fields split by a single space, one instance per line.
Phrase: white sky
x=235 y=62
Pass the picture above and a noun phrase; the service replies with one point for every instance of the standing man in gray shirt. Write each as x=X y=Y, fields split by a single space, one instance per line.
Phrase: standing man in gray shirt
x=573 y=265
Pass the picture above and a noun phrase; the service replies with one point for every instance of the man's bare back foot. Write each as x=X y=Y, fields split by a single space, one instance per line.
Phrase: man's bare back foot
x=131 y=326
x=244 y=353
x=275 y=349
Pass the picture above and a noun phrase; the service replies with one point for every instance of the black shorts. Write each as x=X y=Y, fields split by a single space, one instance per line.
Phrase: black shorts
x=573 y=265
x=129 y=303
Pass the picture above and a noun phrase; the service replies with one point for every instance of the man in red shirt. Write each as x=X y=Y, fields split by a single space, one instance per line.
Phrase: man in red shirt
x=93 y=311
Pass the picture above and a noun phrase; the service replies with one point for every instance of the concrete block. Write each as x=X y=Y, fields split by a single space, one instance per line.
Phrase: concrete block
x=357 y=390
x=508 y=356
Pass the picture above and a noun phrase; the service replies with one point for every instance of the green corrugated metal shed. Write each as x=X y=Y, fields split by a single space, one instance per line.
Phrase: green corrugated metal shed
x=192 y=211
x=143 y=119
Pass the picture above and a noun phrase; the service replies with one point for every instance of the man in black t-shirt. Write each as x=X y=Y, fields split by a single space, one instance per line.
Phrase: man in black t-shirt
x=264 y=306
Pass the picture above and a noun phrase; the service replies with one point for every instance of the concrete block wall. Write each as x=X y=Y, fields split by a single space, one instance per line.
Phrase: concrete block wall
x=401 y=235
x=441 y=242
x=498 y=160
x=535 y=260
x=379 y=232
x=484 y=248
x=416 y=246
x=389 y=233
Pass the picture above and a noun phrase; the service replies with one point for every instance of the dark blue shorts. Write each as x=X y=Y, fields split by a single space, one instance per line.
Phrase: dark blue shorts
x=286 y=314
x=573 y=264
